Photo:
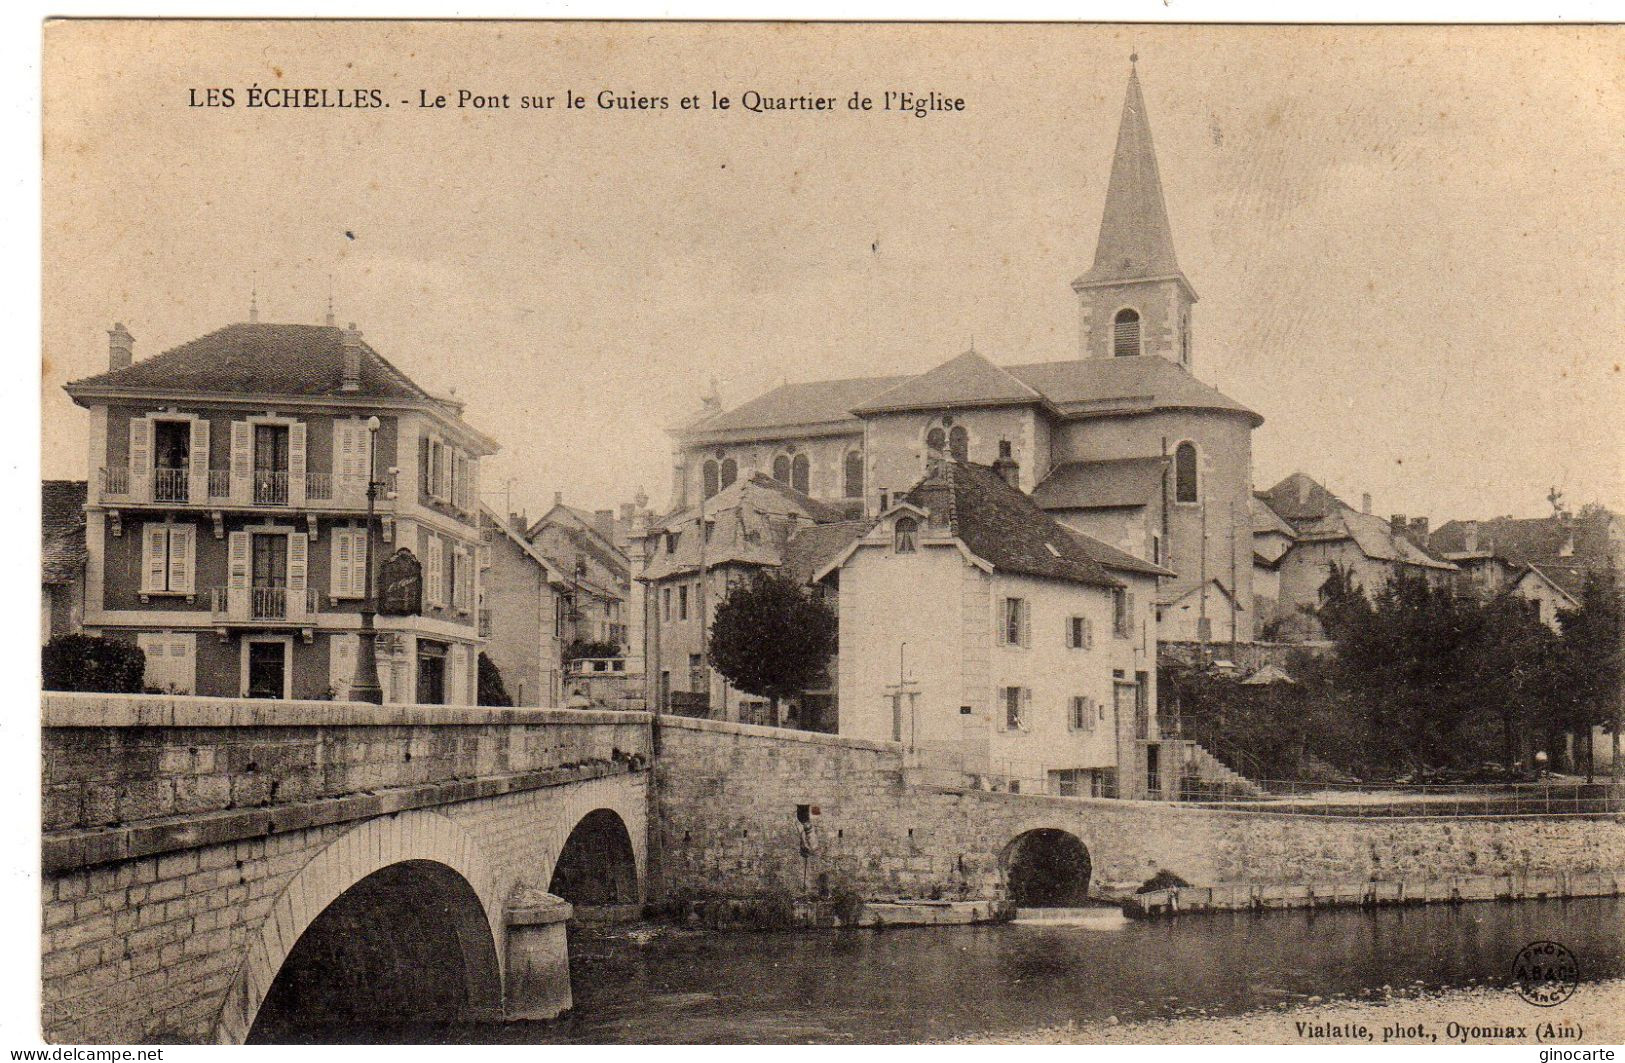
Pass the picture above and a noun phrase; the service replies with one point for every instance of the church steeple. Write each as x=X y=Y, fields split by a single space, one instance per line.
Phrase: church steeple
x=1134 y=299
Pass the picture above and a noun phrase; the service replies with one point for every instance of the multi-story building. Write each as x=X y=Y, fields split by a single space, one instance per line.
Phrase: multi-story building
x=225 y=529
x=582 y=546
x=521 y=596
x=1117 y=438
x=980 y=631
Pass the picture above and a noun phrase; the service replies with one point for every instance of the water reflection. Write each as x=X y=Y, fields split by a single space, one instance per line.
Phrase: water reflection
x=931 y=984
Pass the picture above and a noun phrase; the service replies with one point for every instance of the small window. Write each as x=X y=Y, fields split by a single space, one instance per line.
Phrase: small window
x=730 y=471
x=1185 y=486
x=1122 y=613
x=852 y=474
x=682 y=602
x=959 y=443
x=665 y=604
x=800 y=469
x=903 y=534
x=1013 y=623
x=1080 y=714
x=712 y=474
x=1126 y=333
x=671 y=541
x=1015 y=704
x=1079 y=633
x=781 y=468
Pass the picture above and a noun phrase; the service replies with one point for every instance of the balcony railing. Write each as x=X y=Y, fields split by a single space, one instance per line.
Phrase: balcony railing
x=171 y=485
x=116 y=480
x=219 y=483
x=344 y=488
x=270 y=487
x=261 y=605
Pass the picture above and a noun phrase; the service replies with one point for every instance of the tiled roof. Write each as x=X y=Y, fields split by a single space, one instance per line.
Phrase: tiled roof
x=62 y=557
x=1570 y=579
x=1101 y=484
x=260 y=358
x=813 y=547
x=1266 y=520
x=752 y=522
x=1372 y=534
x=1004 y=527
x=1300 y=498
x=1525 y=540
x=1076 y=386
x=969 y=380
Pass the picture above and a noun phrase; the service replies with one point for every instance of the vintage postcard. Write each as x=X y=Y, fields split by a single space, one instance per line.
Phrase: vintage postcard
x=585 y=533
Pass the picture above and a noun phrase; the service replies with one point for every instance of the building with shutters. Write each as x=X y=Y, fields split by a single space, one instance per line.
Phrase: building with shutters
x=993 y=640
x=224 y=524
x=1117 y=438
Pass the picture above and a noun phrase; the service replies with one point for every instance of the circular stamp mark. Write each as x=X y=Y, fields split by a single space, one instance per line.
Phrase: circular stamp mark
x=1545 y=973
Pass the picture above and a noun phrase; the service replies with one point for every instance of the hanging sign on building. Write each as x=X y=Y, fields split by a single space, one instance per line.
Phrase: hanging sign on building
x=400 y=585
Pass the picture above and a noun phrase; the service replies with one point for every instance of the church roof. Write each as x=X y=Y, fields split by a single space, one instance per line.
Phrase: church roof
x=969 y=380
x=1073 y=387
x=1136 y=242
x=260 y=359
x=1101 y=484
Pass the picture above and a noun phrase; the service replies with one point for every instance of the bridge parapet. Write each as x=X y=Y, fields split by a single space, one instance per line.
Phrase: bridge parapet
x=133 y=775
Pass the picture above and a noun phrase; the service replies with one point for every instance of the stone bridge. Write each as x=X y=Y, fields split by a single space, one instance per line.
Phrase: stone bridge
x=215 y=870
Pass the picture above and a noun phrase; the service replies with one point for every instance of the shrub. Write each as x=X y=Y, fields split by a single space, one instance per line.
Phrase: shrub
x=492 y=691
x=1162 y=880
x=92 y=664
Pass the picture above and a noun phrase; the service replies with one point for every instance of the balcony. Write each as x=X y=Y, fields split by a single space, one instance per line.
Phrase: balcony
x=262 y=605
x=265 y=487
x=171 y=485
x=270 y=487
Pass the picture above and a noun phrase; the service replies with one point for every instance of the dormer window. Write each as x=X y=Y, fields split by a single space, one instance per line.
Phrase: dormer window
x=1126 y=333
x=903 y=534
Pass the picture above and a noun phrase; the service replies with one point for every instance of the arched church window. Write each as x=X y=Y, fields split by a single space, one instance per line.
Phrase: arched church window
x=852 y=474
x=1126 y=333
x=959 y=443
x=730 y=471
x=903 y=533
x=936 y=441
x=800 y=470
x=1185 y=487
x=781 y=468
x=711 y=472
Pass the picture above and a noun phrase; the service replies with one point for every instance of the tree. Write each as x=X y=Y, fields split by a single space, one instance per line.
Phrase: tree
x=91 y=663
x=772 y=637
x=492 y=691
x=1587 y=680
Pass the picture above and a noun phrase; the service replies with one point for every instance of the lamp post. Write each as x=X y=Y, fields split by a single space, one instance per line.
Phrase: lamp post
x=365 y=685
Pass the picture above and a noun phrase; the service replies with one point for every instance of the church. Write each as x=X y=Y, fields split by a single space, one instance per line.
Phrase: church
x=1119 y=439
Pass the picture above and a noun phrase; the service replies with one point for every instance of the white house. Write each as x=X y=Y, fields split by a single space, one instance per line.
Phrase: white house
x=980 y=631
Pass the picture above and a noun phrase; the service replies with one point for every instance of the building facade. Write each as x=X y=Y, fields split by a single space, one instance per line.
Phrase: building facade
x=225 y=526
x=994 y=641
x=520 y=610
x=1119 y=440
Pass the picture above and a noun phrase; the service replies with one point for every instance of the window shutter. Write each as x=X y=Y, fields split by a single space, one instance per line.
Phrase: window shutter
x=443 y=471
x=183 y=663
x=182 y=558
x=1026 y=622
x=242 y=460
x=473 y=484
x=425 y=452
x=296 y=464
x=1128 y=613
x=154 y=558
x=341 y=653
x=1026 y=708
x=434 y=582
x=1001 y=622
x=141 y=459
x=338 y=581
x=152 y=648
x=237 y=575
x=360 y=558
x=1001 y=708
x=298 y=572
x=199 y=457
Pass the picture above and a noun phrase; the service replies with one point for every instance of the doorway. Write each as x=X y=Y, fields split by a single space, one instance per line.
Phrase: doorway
x=431 y=673
x=267 y=669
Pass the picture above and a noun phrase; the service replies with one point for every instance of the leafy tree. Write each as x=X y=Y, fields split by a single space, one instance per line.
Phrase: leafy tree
x=492 y=691
x=91 y=663
x=1586 y=683
x=772 y=637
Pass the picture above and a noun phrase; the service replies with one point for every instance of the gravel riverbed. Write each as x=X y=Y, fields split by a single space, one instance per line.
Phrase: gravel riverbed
x=1594 y=1015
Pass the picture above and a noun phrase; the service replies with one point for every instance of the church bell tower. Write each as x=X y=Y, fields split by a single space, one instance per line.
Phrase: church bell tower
x=1134 y=300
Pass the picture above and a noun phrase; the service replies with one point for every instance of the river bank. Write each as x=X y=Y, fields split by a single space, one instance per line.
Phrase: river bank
x=1480 y=1014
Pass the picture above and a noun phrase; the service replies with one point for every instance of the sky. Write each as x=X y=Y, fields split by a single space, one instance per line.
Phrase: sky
x=1407 y=242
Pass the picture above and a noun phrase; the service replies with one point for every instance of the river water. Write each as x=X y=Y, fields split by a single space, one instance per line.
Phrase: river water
x=661 y=985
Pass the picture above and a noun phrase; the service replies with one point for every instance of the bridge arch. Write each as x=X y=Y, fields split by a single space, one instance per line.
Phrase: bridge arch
x=1046 y=867
x=418 y=858
x=597 y=864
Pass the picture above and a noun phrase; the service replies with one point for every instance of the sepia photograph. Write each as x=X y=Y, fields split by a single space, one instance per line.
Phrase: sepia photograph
x=589 y=533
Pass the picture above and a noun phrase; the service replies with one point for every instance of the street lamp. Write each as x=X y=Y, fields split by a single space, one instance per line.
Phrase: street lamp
x=365 y=686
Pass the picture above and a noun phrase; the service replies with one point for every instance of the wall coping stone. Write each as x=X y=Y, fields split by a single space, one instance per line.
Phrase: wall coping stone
x=166 y=710
x=69 y=850
x=784 y=734
x=536 y=907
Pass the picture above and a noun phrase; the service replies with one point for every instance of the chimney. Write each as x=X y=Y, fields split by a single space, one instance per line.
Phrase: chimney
x=558 y=498
x=1419 y=531
x=120 y=347
x=1365 y=502
x=1396 y=524
x=1304 y=487
x=518 y=523
x=627 y=512
x=603 y=522
x=1470 y=532
x=1007 y=466
x=352 y=360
